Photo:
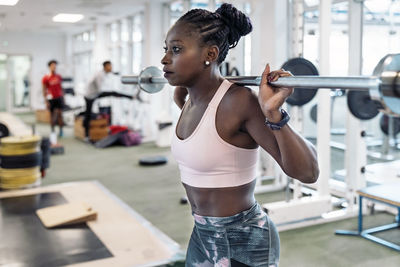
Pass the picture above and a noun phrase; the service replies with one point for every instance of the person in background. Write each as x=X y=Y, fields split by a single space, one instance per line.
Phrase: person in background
x=101 y=85
x=53 y=96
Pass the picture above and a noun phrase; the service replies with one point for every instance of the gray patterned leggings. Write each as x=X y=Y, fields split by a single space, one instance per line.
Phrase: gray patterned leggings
x=248 y=238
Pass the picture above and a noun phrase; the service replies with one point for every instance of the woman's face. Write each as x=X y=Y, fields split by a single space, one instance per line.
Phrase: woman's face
x=184 y=58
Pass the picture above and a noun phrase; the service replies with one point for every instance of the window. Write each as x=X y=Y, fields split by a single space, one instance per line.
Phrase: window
x=338 y=41
x=82 y=46
x=83 y=41
x=114 y=33
x=125 y=44
x=137 y=43
x=381 y=33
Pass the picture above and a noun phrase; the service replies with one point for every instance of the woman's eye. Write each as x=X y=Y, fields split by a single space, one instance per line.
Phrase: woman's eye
x=176 y=49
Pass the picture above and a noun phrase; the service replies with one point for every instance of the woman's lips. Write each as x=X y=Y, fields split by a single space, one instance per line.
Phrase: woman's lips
x=167 y=74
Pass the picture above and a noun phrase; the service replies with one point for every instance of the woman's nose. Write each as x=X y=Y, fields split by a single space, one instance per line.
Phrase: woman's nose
x=165 y=59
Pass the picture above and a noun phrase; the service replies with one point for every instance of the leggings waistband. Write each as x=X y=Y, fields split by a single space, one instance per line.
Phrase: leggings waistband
x=212 y=222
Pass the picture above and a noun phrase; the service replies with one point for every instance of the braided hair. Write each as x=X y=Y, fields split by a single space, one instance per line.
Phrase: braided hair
x=222 y=28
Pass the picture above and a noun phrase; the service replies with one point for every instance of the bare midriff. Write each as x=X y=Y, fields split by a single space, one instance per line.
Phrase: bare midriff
x=221 y=202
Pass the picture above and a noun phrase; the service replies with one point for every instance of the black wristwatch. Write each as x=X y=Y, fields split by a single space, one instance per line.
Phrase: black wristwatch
x=281 y=123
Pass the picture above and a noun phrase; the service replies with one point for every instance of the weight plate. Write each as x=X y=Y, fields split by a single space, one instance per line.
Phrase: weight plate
x=148 y=86
x=57 y=150
x=22 y=161
x=313 y=113
x=153 y=161
x=300 y=66
x=19 y=145
x=361 y=105
x=16 y=140
x=17 y=150
x=384 y=124
x=4 y=132
x=388 y=92
x=15 y=173
x=18 y=178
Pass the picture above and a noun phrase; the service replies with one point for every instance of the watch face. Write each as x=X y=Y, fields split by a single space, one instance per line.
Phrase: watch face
x=275 y=127
x=281 y=123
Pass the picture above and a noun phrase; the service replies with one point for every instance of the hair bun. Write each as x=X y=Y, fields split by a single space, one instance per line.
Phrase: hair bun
x=238 y=23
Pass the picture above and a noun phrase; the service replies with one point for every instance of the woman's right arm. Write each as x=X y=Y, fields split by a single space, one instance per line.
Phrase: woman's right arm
x=180 y=94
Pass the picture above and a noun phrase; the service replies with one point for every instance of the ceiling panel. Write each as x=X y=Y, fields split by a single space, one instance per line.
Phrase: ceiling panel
x=36 y=15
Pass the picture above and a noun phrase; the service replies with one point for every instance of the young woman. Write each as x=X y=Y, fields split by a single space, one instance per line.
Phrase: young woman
x=217 y=138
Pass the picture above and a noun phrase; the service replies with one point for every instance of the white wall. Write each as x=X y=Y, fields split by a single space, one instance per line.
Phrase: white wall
x=155 y=28
x=270 y=38
x=41 y=48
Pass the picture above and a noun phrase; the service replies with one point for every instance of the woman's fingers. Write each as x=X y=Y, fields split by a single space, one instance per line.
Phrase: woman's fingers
x=274 y=75
x=266 y=74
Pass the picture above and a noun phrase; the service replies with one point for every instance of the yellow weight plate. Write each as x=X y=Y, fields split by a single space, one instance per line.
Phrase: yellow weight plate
x=27 y=139
x=18 y=178
x=19 y=145
x=12 y=173
x=20 y=181
x=17 y=186
x=18 y=151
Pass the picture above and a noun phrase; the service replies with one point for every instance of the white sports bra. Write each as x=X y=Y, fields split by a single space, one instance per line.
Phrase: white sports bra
x=206 y=160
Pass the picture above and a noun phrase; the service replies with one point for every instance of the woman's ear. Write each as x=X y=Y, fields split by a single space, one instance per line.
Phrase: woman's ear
x=212 y=53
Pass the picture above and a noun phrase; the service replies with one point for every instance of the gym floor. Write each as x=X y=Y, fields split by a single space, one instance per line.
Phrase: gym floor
x=155 y=192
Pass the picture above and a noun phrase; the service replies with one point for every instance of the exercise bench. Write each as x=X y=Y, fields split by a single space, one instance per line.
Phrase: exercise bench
x=388 y=194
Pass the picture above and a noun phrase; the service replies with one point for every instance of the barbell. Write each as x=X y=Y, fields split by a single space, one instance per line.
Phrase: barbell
x=383 y=86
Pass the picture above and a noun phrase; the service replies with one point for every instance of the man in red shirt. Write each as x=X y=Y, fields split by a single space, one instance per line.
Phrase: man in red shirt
x=53 y=96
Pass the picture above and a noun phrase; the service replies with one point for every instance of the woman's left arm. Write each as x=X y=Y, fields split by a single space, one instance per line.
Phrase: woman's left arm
x=296 y=156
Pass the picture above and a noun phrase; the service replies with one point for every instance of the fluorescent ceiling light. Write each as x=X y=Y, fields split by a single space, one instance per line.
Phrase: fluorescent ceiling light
x=70 y=18
x=8 y=2
x=312 y=2
x=378 y=6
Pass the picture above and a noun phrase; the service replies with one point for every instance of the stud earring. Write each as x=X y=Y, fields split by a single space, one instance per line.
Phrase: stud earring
x=207 y=63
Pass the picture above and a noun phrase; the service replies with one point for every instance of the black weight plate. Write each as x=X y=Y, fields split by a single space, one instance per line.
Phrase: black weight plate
x=4 y=132
x=300 y=66
x=23 y=161
x=361 y=105
x=313 y=113
x=384 y=124
x=153 y=161
x=57 y=150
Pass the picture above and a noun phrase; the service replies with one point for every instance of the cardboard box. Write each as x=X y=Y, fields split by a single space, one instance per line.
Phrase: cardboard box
x=97 y=131
x=43 y=115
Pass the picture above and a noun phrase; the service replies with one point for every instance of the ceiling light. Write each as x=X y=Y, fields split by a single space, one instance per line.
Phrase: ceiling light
x=8 y=2
x=70 y=18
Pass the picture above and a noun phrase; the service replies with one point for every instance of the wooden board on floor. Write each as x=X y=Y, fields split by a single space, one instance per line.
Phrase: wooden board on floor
x=131 y=239
x=66 y=214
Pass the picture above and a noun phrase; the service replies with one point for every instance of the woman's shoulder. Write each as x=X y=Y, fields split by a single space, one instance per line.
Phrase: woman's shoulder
x=240 y=95
x=239 y=99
